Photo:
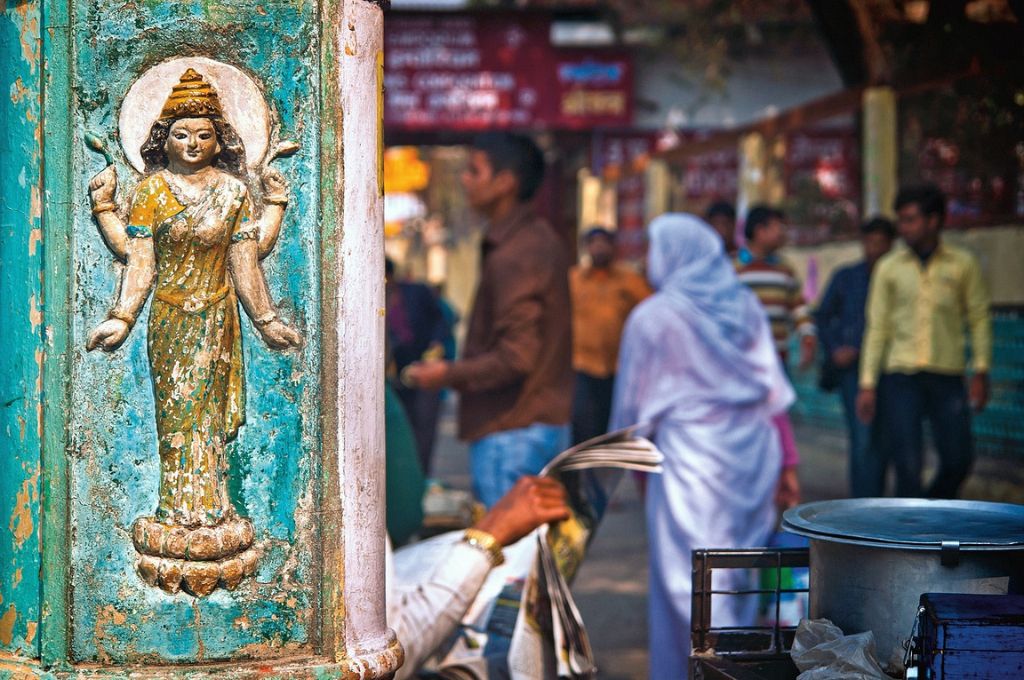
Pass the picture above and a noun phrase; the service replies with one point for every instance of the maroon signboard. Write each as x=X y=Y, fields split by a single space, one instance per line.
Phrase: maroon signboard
x=711 y=176
x=822 y=172
x=631 y=241
x=827 y=159
x=616 y=153
x=469 y=72
x=594 y=89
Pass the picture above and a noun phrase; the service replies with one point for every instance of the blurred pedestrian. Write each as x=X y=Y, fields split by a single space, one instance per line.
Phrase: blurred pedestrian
x=921 y=300
x=515 y=374
x=722 y=216
x=698 y=363
x=403 y=475
x=416 y=329
x=451 y=320
x=775 y=283
x=603 y=295
x=840 y=323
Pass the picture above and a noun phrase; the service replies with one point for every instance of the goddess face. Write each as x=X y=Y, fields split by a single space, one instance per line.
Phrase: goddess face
x=192 y=143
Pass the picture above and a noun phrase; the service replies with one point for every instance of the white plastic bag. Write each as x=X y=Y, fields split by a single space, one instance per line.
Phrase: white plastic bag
x=822 y=652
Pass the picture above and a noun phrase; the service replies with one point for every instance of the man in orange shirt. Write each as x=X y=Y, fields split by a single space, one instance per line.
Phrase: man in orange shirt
x=603 y=295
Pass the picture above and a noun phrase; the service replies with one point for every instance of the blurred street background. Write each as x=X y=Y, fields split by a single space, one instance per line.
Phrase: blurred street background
x=611 y=588
x=820 y=108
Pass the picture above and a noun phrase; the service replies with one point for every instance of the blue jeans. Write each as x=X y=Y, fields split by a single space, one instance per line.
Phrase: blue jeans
x=498 y=460
x=904 y=401
x=867 y=465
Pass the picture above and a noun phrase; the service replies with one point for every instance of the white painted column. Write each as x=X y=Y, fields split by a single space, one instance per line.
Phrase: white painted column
x=880 y=149
x=360 y=636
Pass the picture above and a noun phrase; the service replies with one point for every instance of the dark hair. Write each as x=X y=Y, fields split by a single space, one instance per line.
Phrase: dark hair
x=759 y=216
x=592 y=233
x=518 y=154
x=928 y=197
x=720 y=209
x=232 y=152
x=879 y=225
x=389 y=266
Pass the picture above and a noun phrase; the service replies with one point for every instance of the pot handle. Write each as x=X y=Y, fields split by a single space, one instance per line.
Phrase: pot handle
x=950 y=553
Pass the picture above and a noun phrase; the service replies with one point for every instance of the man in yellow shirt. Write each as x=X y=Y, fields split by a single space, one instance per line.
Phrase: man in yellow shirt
x=603 y=295
x=921 y=299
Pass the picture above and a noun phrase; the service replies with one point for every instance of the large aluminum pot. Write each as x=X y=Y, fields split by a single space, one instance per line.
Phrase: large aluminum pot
x=872 y=558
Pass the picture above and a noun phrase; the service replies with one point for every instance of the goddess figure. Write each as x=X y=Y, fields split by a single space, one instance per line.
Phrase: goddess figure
x=192 y=234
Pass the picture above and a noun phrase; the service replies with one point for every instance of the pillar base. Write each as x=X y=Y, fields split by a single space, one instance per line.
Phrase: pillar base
x=377 y=665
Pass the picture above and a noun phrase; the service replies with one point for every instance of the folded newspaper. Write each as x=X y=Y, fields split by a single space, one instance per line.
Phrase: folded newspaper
x=524 y=624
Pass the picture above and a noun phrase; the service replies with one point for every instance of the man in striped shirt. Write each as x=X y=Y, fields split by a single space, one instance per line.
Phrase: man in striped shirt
x=776 y=285
x=759 y=266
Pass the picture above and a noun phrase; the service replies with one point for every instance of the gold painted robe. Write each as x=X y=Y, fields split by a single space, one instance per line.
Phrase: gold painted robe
x=194 y=340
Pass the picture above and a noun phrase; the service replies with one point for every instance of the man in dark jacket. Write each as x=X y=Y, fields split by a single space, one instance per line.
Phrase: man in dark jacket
x=840 y=322
x=515 y=374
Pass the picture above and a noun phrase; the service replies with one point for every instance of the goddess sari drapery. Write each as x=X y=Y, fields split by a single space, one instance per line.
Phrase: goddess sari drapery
x=194 y=339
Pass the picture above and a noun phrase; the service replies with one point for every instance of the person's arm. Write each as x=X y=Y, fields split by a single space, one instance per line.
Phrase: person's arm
x=979 y=321
x=876 y=337
x=638 y=288
x=425 y=614
x=803 y=322
x=876 y=327
x=518 y=313
x=827 y=314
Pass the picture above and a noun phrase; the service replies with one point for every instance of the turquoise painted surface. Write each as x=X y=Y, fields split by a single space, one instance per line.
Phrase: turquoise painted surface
x=114 y=468
x=21 y=303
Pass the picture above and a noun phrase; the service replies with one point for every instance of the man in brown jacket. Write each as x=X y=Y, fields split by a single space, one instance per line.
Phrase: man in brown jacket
x=515 y=375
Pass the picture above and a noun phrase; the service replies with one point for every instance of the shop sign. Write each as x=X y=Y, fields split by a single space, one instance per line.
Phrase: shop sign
x=482 y=71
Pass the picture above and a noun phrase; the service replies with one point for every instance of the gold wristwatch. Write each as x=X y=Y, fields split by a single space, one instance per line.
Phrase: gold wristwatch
x=483 y=541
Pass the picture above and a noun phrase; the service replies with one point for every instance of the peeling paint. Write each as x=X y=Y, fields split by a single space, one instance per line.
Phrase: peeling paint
x=35 y=315
x=20 y=307
x=7 y=626
x=35 y=205
x=21 y=525
x=30 y=632
x=19 y=91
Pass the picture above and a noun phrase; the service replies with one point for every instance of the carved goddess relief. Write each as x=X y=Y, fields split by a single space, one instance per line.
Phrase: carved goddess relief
x=193 y=241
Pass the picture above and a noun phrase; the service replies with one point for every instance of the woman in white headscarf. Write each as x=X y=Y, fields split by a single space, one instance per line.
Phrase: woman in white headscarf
x=697 y=363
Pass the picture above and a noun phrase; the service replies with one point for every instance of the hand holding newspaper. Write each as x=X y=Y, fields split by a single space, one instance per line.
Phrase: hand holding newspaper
x=524 y=623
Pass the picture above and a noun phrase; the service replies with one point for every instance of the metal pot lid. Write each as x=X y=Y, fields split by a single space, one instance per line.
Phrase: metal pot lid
x=911 y=523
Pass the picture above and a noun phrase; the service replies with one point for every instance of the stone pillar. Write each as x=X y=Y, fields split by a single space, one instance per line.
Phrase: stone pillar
x=658 y=199
x=761 y=177
x=192 y=449
x=881 y=153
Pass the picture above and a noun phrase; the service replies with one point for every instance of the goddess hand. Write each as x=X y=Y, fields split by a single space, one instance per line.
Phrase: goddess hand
x=274 y=184
x=279 y=336
x=103 y=186
x=108 y=336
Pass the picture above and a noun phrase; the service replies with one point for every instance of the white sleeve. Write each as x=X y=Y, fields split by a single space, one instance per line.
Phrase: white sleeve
x=424 y=614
